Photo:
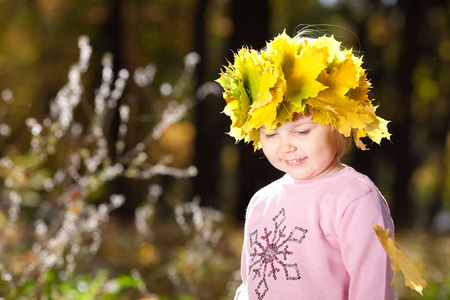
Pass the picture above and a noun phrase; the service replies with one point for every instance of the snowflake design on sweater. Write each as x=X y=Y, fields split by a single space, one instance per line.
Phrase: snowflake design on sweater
x=269 y=253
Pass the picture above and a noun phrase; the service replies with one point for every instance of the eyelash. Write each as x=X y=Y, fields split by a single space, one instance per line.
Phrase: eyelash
x=303 y=132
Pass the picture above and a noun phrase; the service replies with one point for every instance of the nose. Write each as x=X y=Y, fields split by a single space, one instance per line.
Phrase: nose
x=286 y=145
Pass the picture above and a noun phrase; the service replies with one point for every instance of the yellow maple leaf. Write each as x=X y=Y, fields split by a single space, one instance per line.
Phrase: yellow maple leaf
x=258 y=76
x=235 y=94
x=287 y=110
x=357 y=135
x=263 y=115
x=400 y=262
x=247 y=85
x=337 y=53
x=254 y=136
x=378 y=130
x=342 y=78
x=361 y=92
x=338 y=110
x=301 y=64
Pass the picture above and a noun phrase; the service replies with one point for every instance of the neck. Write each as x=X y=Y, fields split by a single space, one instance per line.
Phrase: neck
x=335 y=167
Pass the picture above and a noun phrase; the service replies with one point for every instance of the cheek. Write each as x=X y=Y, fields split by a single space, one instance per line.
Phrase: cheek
x=333 y=144
x=328 y=142
x=267 y=149
x=270 y=151
x=264 y=145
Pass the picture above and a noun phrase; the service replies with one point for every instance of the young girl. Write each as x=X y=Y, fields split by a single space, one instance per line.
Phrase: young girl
x=308 y=235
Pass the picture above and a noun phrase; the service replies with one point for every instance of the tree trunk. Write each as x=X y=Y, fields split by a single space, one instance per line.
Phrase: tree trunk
x=414 y=11
x=250 y=19
x=251 y=28
x=112 y=36
x=207 y=121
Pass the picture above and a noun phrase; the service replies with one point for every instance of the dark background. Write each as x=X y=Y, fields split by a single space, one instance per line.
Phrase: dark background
x=406 y=46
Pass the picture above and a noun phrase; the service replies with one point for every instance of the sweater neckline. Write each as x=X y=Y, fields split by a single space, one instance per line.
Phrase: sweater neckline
x=289 y=180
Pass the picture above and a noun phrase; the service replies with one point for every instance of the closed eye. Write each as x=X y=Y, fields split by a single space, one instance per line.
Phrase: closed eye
x=302 y=132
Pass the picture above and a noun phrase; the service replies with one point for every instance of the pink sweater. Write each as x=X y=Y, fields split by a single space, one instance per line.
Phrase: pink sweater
x=314 y=239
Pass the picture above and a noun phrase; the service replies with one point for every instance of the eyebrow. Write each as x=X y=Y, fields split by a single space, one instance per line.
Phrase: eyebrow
x=298 y=123
x=299 y=118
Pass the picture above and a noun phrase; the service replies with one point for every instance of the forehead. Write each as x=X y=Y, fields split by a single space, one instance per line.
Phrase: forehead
x=301 y=118
x=297 y=120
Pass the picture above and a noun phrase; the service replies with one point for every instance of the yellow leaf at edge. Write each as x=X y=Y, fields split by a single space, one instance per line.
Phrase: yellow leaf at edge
x=258 y=76
x=400 y=262
x=378 y=130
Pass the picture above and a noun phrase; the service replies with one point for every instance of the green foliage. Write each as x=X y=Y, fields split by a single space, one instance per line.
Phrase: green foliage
x=61 y=286
x=437 y=290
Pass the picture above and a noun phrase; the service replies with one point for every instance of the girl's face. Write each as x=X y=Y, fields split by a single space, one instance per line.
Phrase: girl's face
x=302 y=148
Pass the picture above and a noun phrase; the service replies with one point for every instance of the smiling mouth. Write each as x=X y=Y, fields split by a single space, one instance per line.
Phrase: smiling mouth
x=295 y=161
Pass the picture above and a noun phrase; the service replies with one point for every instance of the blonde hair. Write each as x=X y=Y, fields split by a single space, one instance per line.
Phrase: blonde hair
x=343 y=143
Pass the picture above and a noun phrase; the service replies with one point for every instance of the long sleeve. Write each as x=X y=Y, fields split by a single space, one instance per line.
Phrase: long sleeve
x=365 y=259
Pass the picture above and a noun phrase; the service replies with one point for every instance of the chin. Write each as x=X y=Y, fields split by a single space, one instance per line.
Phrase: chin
x=300 y=177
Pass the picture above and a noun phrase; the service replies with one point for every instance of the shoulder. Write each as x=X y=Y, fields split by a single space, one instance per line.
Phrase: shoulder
x=353 y=188
x=363 y=200
x=273 y=187
x=271 y=193
x=354 y=183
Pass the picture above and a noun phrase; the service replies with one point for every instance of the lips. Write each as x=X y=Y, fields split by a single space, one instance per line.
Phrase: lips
x=296 y=162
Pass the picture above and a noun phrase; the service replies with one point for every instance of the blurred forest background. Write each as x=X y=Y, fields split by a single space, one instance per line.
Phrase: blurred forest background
x=117 y=178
